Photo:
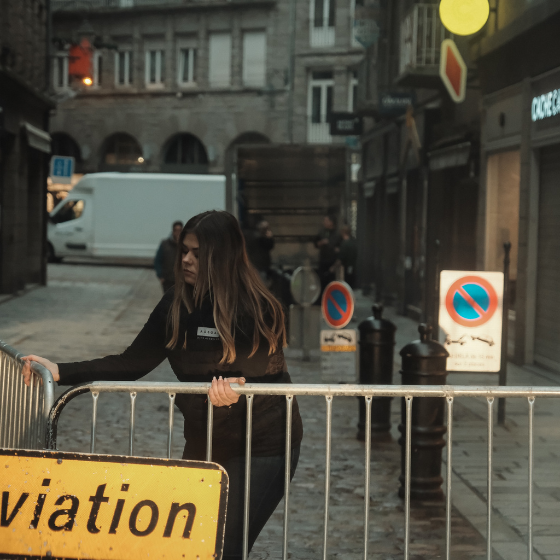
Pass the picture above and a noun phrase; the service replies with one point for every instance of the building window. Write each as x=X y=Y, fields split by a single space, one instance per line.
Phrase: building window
x=155 y=67
x=220 y=60
x=123 y=68
x=353 y=91
x=320 y=103
x=97 y=68
x=60 y=71
x=254 y=58
x=187 y=66
x=322 y=18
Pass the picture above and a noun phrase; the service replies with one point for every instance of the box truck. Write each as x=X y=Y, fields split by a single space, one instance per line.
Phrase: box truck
x=126 y=215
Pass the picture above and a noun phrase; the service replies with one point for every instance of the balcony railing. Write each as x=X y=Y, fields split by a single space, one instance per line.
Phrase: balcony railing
x=318 y=133
x=421 y=36
x=321 y=35
x=71 y=5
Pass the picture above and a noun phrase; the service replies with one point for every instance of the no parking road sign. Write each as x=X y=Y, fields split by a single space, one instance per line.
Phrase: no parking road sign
x=337 y=304
x=470 y=319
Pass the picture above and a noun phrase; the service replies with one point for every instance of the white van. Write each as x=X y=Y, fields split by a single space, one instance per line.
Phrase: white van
x=126 y=215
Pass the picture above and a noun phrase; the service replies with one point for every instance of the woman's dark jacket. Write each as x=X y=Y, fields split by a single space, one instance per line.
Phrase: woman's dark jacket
x=199 y=362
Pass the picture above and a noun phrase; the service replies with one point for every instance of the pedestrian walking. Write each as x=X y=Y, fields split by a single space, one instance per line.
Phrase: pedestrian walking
x=164 y=261
x=327 y=241
x=260 y=242
x=220 y=325
x=347 y=255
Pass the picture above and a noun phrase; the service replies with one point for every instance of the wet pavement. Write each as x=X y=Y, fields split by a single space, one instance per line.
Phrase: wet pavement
x=90 y=311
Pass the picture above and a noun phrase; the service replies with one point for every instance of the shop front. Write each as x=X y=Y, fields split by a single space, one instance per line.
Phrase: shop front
x=521 y=154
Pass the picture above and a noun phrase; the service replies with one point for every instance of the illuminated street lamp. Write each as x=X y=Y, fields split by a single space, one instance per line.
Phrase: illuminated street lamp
x=87 y=81
x=464 y=17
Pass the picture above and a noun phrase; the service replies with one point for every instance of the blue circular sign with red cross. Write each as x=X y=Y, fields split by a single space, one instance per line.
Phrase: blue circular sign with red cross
x=471 y=301
x=337 y=304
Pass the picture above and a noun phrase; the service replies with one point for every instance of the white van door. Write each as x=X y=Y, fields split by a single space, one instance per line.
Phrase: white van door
x=67 y=229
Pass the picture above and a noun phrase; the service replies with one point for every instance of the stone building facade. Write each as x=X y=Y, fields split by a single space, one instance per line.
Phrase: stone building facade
x=176 y=84
x=24 y=142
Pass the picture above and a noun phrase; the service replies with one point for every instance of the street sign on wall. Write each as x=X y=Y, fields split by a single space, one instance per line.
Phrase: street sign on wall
x=470 y=319
x=62 y=169
x=337 y=304
x=453 y=70
x=345 y=124
x=73 y=505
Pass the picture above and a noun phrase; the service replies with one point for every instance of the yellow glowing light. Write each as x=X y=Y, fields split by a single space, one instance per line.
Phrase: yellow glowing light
x=140 y=159
x=464 y=17
x=87 y=81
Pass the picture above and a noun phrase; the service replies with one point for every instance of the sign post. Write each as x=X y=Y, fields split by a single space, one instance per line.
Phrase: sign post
x=338 y=345
x=62 y=169
x=305 y=288
x=470 y=319
x=73 y=505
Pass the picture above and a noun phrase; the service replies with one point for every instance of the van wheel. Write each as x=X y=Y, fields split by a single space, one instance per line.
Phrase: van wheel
x=51 y=256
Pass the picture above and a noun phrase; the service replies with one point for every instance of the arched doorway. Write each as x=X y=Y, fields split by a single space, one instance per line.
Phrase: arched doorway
x=184 y=153
x=121 y=152
x=63 y=144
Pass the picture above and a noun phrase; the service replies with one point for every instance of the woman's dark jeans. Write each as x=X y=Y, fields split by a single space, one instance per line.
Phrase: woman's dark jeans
x=267 y=489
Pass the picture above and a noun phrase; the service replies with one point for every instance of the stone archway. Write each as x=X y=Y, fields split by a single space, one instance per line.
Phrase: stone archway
x=184 y=153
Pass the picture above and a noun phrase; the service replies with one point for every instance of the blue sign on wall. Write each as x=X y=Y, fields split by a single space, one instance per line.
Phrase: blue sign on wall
x=62 y=169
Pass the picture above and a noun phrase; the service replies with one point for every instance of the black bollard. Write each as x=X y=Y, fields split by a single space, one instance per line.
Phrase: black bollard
x=377 y=341
x=424 y=363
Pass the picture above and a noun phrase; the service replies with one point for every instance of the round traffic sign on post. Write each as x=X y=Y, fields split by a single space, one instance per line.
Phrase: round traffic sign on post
x=471 y=301
x=305 y=285
x=337 y=304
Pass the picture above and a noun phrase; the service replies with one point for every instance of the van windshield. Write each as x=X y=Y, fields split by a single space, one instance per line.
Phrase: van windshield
x=72 y=210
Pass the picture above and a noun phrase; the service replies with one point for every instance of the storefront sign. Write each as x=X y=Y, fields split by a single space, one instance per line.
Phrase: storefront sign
x=345 y=124
x=395 y=103
x=545 y=106
x=73 y=505
x=470 y=319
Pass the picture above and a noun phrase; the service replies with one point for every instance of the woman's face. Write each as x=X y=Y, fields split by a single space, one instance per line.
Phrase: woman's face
x=189 y=259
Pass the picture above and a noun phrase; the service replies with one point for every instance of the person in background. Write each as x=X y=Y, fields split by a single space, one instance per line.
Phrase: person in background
x=259 y=242
x=327 y=241
x=164 y=261
x=219 y=325
x=347 y=255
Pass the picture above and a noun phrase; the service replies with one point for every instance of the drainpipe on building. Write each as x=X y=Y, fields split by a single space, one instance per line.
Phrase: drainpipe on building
x=291 y=70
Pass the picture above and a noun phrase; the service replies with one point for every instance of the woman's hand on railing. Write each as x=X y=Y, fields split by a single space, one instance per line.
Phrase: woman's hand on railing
x=51 y=366
x=221 y=394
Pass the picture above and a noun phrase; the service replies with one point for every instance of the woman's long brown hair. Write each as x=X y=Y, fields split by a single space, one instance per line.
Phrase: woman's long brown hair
x=234 y=286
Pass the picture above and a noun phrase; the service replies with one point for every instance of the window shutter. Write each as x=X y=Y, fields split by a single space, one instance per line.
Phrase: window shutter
x=254 y=58
x=220 y=59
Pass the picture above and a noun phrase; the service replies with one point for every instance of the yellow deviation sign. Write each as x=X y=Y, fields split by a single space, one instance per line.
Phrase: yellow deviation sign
x=73 y=505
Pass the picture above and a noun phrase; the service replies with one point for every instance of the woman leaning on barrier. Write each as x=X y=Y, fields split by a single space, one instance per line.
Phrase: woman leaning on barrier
x=219 y=320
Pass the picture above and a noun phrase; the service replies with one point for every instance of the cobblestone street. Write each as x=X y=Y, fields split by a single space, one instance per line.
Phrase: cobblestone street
x=89 y=311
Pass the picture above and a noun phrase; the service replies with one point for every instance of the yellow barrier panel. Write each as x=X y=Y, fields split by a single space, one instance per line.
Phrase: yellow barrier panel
x=74 y=505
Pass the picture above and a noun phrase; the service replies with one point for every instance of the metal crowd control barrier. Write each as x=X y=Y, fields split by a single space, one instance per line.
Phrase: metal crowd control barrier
x=23 y=410
x=409 y=392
